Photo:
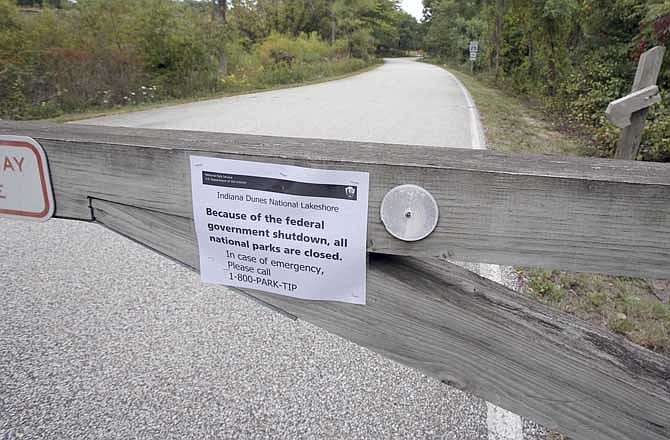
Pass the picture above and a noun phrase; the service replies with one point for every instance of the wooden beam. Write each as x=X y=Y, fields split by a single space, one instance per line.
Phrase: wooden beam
x=566 y=213
x=429 y=314
x=470 y=333
x=646 y=75
x=620 y=111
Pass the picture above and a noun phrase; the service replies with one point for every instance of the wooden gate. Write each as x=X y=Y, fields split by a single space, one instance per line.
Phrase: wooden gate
x=588 y=215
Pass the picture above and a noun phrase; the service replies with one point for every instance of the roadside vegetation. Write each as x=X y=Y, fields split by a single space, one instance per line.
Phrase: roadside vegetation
x=61 y=57
x=571 y=57
x=636 y=308
x=545 y=73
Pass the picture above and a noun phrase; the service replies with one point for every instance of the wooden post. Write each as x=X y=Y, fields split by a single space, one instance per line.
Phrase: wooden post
x=647 y=73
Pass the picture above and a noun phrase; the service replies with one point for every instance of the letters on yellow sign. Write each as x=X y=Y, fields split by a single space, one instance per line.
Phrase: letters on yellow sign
x=12 y=164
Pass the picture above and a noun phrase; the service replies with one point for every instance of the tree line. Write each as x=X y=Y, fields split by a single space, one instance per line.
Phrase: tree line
x=60 y=56
x=575 y=56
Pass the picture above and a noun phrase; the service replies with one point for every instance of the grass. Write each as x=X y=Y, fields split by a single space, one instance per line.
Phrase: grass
x=513 y=125
x=624 y=305
x=101 y=112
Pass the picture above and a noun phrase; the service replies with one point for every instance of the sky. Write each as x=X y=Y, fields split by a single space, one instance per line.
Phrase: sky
x=414 y=7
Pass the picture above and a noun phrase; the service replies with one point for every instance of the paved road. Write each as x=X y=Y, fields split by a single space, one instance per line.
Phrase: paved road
x=403 y=102
x=100 y=338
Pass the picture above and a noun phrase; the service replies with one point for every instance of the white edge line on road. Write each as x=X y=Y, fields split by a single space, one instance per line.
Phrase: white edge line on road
x=478 y=139
x=501 y=424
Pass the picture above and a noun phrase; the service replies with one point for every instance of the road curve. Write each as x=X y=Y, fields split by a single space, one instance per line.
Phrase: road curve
x=401 y=102
x=101 y=338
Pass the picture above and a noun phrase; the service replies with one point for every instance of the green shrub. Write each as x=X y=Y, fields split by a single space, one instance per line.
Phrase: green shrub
x=543 y=286
x=180 y=47
x=305 y=48
x=361 y=44
x=282 y=73
x=622 y=326
x=99 y=53
x=655 y=143
x=283 y=59
x=588 y=89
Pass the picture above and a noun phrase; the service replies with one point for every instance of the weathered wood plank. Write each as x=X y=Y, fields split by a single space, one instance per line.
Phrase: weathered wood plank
x=649 y=66
x=536 y=210
x=473 y=334
x=620 y=111
x=646 y=75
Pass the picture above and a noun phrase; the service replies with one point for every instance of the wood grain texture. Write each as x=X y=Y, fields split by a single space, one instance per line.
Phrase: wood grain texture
x=535 y=210
x=646 y=75
x=649 y=66
x=619 y=111
x=471 y=333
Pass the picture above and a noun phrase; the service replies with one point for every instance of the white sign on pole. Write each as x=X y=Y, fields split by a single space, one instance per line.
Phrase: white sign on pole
x=474 y=49
x=294 y=231
x=25 y=184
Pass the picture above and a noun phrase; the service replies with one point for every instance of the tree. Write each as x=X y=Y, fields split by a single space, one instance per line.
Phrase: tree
x=220 y=8
x=409 y=32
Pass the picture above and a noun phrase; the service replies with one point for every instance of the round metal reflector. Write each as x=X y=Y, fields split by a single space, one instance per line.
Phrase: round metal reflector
x=409 y=212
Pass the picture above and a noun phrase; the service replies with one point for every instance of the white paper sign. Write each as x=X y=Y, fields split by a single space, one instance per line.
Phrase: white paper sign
x=294 y=231
x=25 y=185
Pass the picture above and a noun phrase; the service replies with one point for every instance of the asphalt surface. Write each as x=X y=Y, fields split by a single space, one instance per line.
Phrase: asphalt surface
x=101 y=338
x=402 y=102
